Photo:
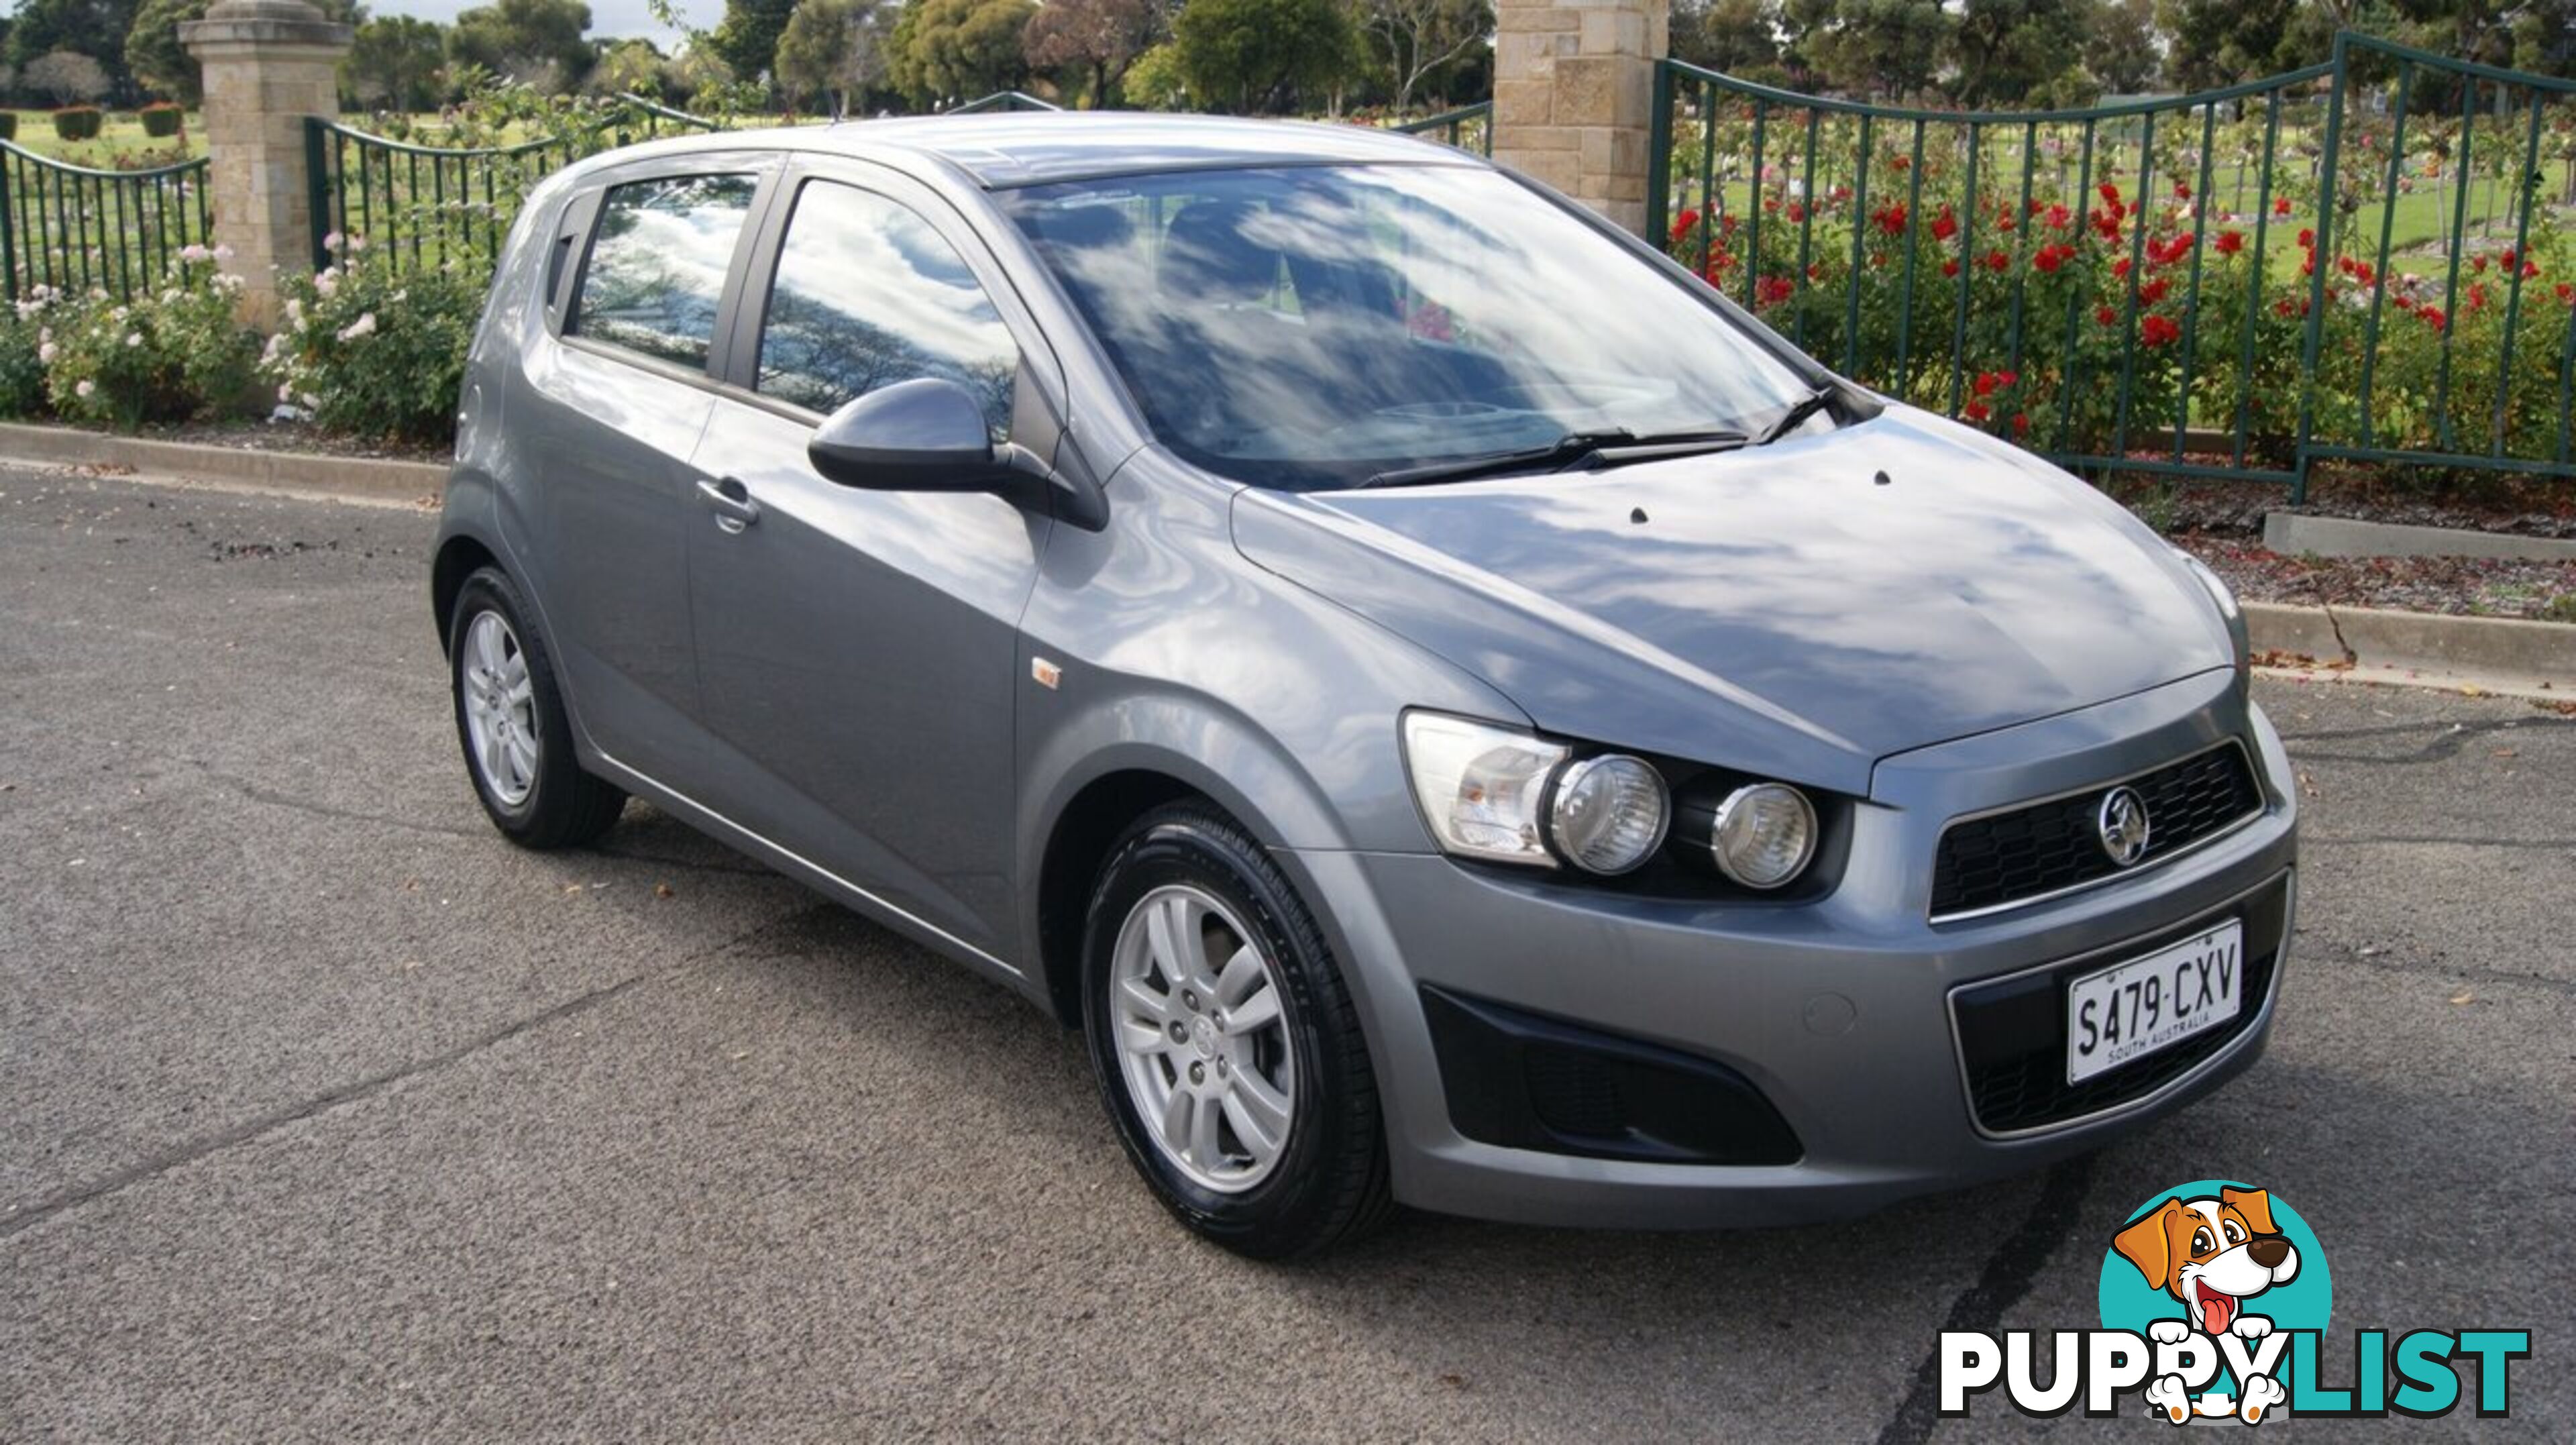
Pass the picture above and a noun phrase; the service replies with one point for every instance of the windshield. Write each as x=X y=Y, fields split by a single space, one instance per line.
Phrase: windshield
x=1313 y=327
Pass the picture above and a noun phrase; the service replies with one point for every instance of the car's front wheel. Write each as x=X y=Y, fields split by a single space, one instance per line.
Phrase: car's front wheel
x=1228 y=1050
x=510 y=718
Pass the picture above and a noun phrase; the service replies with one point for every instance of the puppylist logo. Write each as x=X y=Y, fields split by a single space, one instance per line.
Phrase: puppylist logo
x=2214 y=1297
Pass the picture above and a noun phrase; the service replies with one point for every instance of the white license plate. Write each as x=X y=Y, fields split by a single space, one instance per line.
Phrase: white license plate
x=2131 y=1010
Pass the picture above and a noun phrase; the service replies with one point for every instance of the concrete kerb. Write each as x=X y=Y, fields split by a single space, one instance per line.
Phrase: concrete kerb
x=2497 y=653
x=351 y=479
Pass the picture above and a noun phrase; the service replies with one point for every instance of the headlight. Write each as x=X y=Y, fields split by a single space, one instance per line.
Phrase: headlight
x=1480 y=786
x=1609 y=813
x=1763 y=835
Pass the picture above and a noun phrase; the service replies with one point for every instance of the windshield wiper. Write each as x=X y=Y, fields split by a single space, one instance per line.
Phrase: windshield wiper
x=1563 y=454
x=1797 y=414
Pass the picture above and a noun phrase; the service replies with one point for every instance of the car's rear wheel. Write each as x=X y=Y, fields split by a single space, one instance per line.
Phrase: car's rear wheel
x=511 y=721
x=1228 y=1050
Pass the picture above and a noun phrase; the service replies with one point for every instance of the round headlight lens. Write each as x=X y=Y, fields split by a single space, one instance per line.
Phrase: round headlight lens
x=1763 y=835
x=1609 y=813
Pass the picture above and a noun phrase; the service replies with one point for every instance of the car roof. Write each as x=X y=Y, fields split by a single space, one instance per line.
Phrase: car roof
x=1018 y=148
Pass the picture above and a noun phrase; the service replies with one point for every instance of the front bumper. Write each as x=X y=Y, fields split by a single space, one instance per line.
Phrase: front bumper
x=1842 y=1013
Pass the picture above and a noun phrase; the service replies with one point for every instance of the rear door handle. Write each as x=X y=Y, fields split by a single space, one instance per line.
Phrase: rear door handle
x=732 y=501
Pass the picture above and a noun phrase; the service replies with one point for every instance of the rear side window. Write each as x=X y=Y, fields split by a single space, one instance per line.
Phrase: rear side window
x=867 y=295
x=657 y=265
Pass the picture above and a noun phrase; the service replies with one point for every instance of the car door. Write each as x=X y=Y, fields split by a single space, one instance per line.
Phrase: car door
x=615 y=400
x=856 y=649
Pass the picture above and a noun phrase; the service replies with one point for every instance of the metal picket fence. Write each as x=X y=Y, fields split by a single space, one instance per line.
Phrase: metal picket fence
x=2362 y=261
x=75 y=228
x=1468 y=128
x=421 y=205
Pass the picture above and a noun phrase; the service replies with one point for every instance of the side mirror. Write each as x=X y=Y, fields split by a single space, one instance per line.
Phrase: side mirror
x=922 y=435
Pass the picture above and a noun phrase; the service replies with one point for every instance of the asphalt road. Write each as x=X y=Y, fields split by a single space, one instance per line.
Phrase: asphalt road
x=324 y=1114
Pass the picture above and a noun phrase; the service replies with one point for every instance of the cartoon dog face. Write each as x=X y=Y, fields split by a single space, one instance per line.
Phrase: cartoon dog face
x=2211 y=1253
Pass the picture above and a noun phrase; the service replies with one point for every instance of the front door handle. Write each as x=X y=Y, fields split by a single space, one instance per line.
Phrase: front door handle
x=735 y=509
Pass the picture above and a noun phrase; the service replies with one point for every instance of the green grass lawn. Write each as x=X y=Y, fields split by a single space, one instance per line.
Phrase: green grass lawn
x=121 y=143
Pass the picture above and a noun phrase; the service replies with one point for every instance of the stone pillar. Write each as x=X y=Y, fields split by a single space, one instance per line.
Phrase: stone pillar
x=1573 y=84
x=268 y=65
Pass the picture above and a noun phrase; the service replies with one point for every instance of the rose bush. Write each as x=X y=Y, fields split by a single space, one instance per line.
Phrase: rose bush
x=24 y=335
x=2134 y=309
x=372 y=351
x=166 y=355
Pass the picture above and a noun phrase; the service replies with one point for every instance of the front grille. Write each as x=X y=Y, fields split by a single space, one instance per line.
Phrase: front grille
x=2012 y=1033
x=2011 y=857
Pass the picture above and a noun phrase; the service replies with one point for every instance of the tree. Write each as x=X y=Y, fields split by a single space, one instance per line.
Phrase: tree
x=2123 y=49
x=153 y=54
x=397 y=62
x=67 y=76
x=834 y=48
x=2006 y=52
x=1103 y=37
x=1732 y=37
x=1871 y=47
x=95 y=28
x=698 y=72
x=629 y=67
x=1256 y=55
x=747 y=38
x=2220 y=42
x=535 y=42
x=1417 y=37
x=959 y=49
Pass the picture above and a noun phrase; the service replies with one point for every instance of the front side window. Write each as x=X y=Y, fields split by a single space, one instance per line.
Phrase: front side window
x=1311 y=327
x=657 y=265
x=867 y=295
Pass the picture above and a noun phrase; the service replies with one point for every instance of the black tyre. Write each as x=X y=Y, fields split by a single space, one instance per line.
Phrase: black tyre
x=1228 y=1050
x=511 y=723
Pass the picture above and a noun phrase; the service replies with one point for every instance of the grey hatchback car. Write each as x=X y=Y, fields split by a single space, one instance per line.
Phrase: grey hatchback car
x=1454 y=710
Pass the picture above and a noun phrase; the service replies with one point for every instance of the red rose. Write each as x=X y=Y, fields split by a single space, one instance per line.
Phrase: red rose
x=2110 y=192
x=1977 y=411
x=1944 y=225
x=2120 y=267
x=2021 y=423
x=1986 y=383
x=2307 y=236
x=2048 y=259
x=1997 y=261
x=1950 y=267
x=2230 y=242
x=1797 y=213
x=2567 y=292
x=2281 y=206
x=2182 y=191
x=2158 y=330
x=2153 y=291
x=2107 y=316
x=2434 y=318
x=1685 y=223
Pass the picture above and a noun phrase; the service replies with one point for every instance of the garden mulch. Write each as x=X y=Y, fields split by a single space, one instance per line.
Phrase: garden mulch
x=2222 y=524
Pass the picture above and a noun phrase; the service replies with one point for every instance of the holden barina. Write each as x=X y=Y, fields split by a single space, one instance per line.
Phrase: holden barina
x=1456 y=712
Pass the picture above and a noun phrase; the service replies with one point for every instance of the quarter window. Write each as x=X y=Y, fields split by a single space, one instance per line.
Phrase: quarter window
x=868 y=295
x=658 y=262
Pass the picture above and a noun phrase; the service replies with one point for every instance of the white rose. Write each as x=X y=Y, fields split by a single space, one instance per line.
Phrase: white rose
x=47 y=352
x=134 y=338
x=84 y=389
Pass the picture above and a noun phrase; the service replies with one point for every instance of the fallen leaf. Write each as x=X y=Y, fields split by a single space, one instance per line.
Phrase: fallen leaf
x=2502 y=753
x=662 y=890
x=2471 y=689
x=2464 y=996
x=572 y=888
